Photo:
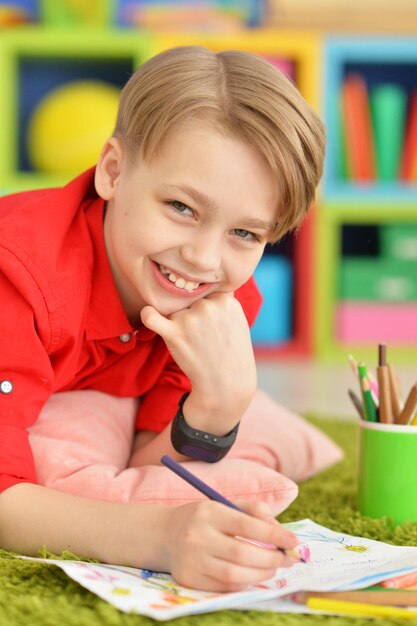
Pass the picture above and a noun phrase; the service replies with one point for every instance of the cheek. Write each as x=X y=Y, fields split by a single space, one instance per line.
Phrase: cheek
x=243 y=269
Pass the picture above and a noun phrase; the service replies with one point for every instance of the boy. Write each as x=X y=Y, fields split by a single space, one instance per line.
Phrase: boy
x=125 y=280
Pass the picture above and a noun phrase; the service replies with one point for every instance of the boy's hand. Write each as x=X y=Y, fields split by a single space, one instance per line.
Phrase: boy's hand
x=210 y=341
x=224 y=563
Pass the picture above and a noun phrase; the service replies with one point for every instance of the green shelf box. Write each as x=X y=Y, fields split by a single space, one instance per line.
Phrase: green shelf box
x=399 y=241
x=377 y=279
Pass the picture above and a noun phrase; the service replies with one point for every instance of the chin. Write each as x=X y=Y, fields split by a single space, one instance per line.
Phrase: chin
x=170 y=310
x=166 y=309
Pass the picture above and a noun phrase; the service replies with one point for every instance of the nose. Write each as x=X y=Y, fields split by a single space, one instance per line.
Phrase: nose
x=202 y=253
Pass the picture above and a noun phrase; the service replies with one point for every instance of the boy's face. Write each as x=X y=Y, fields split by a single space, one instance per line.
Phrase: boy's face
x=193 y=221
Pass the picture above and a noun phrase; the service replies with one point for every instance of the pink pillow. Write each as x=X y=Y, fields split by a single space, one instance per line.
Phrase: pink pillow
x=274 y=436
x=82 y=441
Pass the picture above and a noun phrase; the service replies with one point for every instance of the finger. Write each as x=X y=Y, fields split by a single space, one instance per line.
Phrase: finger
x=251 y=527
x=243 y=552
x=234 y=577
x=262 y=510
x=206 y=582
x=153 y=320
x=221 y=576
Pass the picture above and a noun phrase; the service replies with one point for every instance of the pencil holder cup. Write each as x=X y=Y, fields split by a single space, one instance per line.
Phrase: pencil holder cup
x=387 y=481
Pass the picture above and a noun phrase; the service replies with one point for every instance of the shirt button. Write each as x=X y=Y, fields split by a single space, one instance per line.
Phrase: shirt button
x=6 y=386
x=125 y=338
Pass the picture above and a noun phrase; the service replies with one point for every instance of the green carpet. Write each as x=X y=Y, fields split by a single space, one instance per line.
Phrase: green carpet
x=42 y=595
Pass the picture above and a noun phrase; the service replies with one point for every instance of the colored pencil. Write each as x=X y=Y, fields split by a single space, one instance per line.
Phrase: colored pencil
x=385 y=410
x=395 y=393
x=356 y=402
x=372 y=381
x=369 y=410
x=410 y=407
x=369 y=406
x=375 y=595
x=358 y=608
x=212 y=494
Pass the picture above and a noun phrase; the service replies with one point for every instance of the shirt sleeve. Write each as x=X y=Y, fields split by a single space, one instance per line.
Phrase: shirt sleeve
x=250 y=298
x=160 y=404
x=25 y=382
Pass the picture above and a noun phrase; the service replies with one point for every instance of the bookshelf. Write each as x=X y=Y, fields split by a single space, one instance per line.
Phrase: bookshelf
x=366 y=228
x=380 y=62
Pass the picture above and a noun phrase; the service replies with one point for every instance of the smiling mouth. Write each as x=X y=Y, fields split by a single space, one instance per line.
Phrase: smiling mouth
x=178 y=281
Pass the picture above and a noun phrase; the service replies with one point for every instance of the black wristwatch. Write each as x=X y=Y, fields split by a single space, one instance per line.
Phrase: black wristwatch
x=198 y=444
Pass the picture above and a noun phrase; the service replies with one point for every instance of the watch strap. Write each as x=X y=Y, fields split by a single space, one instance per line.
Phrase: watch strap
x=199 y=444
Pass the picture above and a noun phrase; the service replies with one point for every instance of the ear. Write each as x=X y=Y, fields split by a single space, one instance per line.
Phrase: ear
x=109 y=167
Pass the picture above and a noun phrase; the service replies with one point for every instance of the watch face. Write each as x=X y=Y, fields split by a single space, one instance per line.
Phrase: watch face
x=195 y=452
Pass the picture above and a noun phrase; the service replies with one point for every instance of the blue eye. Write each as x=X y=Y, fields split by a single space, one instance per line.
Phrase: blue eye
x=181 y=207
x=245 y=234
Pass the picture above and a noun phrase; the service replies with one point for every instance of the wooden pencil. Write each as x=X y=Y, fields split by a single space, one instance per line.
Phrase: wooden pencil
x=410 y=407
x=382 y=372
x=395 y=393
x=390 y=597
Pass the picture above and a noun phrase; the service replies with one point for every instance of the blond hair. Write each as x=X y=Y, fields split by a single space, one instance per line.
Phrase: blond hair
x=239 y=94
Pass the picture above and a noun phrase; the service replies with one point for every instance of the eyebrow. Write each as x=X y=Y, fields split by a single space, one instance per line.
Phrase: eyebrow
x=199 y=197
x=202 y=199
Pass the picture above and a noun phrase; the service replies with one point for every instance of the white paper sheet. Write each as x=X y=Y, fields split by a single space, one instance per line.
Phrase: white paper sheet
x=335 y=561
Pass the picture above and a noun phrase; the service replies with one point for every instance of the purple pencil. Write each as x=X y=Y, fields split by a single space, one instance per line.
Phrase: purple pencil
x=212 y=494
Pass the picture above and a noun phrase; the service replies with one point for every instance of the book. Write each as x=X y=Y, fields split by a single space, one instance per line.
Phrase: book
x=408 y=169
x=388 y=106
x=357 y=125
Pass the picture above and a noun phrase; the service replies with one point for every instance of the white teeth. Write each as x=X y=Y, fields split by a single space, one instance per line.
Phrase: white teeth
x=181 y=283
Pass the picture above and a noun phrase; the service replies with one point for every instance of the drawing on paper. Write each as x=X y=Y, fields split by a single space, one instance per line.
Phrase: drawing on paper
x=334 y=561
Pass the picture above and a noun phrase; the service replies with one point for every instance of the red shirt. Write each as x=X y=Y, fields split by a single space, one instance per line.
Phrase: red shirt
x=62 y=324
